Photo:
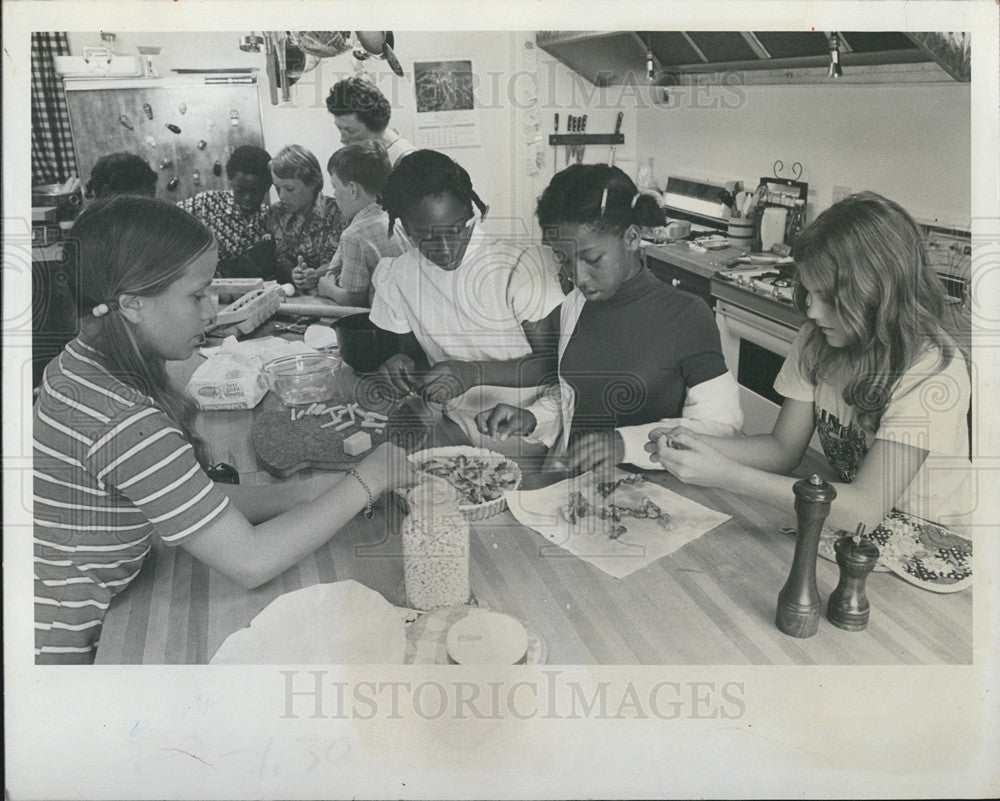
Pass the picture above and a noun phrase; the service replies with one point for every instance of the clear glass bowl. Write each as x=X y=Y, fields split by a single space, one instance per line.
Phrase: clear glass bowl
x=303 y=378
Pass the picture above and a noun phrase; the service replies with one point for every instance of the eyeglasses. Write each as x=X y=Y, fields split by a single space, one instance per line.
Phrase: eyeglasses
x=442 y=231
x=223 y=473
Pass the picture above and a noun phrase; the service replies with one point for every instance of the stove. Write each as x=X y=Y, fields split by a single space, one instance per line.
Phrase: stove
x=768 y=282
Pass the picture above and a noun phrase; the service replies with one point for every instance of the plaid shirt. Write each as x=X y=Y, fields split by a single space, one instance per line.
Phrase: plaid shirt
x=313 y=234
x=234 y=232
x=362 y=244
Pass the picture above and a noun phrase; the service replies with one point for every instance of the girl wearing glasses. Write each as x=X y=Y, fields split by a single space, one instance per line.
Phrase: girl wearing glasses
x=116 y=460
x=633 y=350
x=477 y=316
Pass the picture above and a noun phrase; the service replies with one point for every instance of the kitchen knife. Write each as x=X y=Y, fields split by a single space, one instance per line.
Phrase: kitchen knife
x=569 y=129
x=555 y=148
x=583 y=129
x=618 y=127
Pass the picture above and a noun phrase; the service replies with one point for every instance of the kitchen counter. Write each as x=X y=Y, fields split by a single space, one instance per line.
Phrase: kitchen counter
x=704 y=264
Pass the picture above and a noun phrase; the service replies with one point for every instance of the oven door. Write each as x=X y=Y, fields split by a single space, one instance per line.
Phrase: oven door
x=755 y=347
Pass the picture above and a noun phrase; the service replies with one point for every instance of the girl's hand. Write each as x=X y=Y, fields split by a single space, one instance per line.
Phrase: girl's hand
x=692 y=459
x=387 y=468
x=593 y=450
x=504 y=420
x=445 y=381
x=400 y=374
x=652 y=447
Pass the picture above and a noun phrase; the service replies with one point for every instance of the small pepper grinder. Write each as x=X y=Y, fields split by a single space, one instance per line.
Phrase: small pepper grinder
x=799 y=605
x=848 y=607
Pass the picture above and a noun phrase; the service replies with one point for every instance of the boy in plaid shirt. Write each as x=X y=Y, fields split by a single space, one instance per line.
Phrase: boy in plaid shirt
x=357 y=174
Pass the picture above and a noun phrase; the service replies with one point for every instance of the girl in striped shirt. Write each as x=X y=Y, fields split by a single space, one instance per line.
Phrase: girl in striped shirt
x=115 y=456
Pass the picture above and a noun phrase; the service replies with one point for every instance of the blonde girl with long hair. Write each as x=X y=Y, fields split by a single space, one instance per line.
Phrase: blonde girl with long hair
x=873 y=372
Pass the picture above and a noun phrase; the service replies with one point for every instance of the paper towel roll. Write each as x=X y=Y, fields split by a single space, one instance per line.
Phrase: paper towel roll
x=772 y=227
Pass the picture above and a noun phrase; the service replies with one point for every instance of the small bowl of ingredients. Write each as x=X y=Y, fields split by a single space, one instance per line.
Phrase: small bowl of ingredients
x=303 y=377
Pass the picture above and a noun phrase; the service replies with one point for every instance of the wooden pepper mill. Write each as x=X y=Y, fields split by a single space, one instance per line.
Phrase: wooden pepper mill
x=799 y=605
x=848 y=607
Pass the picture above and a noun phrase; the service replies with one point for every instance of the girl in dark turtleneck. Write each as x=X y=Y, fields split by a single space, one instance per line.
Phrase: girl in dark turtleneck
x=633 y=350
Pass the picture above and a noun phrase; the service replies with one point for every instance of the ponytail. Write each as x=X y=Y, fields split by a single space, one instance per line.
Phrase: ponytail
x=597 y=195
x=137 y=246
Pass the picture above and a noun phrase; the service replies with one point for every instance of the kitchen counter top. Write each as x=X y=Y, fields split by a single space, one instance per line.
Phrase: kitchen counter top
x=704 y=264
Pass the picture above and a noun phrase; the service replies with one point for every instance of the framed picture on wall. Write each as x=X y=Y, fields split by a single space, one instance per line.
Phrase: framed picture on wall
x=446 y=107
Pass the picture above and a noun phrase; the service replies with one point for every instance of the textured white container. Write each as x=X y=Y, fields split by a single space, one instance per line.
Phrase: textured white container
x=435 y=538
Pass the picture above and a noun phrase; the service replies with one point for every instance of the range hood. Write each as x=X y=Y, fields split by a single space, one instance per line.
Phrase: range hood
x=683 y=57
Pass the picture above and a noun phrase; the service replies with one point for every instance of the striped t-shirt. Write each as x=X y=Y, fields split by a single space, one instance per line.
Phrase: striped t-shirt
x=110 y=469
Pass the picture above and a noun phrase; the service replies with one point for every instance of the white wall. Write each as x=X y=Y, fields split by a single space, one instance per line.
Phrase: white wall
x=908 y=142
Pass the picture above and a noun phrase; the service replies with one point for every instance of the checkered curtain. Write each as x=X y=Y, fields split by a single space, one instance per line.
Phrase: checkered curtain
x=52 y=158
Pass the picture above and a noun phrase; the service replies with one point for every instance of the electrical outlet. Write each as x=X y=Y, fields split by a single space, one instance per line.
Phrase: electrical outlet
x=839 y=193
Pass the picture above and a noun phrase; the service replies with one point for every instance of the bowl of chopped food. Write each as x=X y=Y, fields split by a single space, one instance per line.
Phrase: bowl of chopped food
x=481 y=476
x=303 y=377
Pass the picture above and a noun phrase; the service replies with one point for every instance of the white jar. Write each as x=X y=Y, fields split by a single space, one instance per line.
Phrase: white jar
x=435 y=538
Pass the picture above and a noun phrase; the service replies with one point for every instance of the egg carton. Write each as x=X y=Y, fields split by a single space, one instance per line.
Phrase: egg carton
x=234 y=287
x=252 y=309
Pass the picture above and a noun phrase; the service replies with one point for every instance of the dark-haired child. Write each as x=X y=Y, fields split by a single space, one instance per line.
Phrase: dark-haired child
x=121 y=174
x=357 y=173
x=473 y=312
x=236 y=215
x=633 y=350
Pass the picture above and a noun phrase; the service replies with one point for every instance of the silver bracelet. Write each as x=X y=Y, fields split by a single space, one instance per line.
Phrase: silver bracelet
x=369 y=511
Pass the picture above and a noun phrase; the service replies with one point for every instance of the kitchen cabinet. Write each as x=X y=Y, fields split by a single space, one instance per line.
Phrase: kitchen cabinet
x=678 y=58
x=676 y=264
x=681 y=277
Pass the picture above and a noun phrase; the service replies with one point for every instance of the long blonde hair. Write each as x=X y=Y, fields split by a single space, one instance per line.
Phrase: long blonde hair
x=135 y=245
x=866 y=256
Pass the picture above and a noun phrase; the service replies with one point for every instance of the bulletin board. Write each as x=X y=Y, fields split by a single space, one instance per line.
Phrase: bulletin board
x=186 y=126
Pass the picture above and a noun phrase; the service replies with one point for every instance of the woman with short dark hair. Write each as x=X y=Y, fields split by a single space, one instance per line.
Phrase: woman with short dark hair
x=361 y=113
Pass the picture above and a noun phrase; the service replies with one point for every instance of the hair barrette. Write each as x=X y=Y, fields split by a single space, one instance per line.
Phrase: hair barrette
x=635 y=198
x=101 y=309
x=604 y=200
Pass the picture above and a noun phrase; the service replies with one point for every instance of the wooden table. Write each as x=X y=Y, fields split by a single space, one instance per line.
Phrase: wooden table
x=711 y=602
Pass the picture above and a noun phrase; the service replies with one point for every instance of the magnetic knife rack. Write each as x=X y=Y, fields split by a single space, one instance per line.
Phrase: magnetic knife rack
x=587 y=139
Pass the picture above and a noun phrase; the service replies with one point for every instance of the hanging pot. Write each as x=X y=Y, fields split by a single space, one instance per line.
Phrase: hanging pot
x=295 y=62
x=372 y=41
x=380 y=43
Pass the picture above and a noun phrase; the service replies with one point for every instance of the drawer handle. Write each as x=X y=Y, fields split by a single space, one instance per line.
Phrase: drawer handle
x=675 y=282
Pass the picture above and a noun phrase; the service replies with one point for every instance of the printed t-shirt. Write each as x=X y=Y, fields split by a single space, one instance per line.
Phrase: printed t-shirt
x=928 y=410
